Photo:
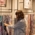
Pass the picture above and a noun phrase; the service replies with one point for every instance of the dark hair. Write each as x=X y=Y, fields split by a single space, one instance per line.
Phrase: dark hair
x=6 y=19
x=20 y=14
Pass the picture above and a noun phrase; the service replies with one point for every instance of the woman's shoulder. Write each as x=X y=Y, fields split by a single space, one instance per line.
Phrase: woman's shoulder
x=22 y=20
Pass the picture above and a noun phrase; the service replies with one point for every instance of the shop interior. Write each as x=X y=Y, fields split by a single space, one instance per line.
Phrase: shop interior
x=8 y=9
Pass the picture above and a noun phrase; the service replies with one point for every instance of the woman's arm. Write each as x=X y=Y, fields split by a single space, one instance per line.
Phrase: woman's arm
x=19 y=25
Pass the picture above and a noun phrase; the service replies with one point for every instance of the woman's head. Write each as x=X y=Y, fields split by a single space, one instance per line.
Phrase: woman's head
x=19 y=15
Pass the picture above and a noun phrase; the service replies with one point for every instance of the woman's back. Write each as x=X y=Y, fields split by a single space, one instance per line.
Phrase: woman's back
x=20 y=28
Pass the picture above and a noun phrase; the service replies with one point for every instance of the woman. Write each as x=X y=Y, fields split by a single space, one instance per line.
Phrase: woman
x=5 y=27
x=6 y=23
x=20 y=26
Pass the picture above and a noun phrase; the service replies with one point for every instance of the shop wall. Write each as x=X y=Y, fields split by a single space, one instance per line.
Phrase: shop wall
x=17 y=5
x=7 y=7
x=33 y=5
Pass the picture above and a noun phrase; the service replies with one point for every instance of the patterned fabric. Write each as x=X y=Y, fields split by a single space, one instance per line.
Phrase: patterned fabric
x=32 y=24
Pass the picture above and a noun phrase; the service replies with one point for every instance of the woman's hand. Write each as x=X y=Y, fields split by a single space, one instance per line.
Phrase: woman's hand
x=6 y=24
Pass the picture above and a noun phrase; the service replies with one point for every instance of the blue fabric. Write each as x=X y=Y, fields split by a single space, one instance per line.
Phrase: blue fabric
x=20 y=28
